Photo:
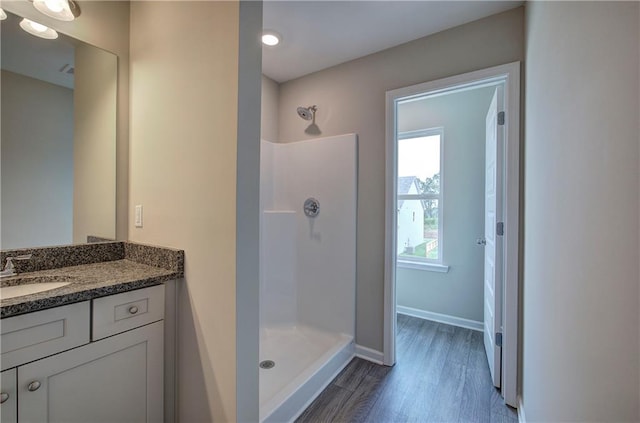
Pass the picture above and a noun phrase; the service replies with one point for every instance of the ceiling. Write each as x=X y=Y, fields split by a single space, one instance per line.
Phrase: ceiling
x=320 y=34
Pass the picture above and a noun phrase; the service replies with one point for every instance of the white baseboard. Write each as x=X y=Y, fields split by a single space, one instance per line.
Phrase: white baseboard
x=521 y=417
x=440 y=318
x=369 y=354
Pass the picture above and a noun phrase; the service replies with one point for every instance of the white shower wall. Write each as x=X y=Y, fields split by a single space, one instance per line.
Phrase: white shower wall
x=309 y=264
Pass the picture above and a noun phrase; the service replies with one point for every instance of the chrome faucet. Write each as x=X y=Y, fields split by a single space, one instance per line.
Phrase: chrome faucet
x=9 y=268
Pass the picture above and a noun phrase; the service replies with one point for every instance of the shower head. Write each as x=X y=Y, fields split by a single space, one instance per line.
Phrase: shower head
x=307 y=113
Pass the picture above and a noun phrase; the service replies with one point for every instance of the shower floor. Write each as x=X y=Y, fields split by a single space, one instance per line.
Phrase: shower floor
x=299 y=353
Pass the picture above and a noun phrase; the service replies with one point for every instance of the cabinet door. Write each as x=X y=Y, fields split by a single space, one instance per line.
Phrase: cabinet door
x=118 y=379
x=9 y=405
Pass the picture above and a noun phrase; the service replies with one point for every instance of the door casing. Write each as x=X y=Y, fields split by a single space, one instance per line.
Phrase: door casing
x=509 y=74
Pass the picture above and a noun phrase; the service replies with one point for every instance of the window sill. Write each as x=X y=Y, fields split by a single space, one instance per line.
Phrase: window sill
x=429 y=267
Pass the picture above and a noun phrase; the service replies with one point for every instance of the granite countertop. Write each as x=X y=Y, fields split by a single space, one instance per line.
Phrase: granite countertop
x=93 y=280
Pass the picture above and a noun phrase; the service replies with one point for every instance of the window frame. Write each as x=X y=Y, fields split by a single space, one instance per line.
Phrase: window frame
x=420 y=262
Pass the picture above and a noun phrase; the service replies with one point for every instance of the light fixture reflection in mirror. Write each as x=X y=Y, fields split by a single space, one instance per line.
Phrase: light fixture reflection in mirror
x=63 y=10
x=39 y=30
x=58 y=149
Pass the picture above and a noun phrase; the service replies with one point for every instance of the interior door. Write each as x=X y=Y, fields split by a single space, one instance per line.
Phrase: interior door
x=493 y=246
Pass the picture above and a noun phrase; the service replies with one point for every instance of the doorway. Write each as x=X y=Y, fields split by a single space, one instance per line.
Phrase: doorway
x=419 y=218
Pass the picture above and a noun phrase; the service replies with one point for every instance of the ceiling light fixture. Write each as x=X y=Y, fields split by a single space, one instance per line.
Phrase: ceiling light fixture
x=3 y=15
x=270 y=38
x=63 y=10
x=39 y=30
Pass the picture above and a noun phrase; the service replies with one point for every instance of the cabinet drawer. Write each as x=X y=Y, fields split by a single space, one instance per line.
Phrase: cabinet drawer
x=126 y=311
x=35 y=335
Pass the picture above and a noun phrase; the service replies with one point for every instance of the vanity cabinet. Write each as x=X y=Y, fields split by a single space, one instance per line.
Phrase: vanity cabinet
x=9 y=398
x=116 y=376
x=117 y=379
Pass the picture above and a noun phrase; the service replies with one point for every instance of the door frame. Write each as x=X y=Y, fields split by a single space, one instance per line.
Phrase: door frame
x=510 y=74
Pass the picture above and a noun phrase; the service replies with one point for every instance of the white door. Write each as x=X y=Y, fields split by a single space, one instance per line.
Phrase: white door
x=493 y=246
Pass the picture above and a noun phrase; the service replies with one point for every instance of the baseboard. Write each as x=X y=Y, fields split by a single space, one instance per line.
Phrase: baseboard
x=521 y=417
x=369 y=354
x=440 y=318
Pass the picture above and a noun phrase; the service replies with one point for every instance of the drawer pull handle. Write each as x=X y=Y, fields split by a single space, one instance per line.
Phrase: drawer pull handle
x=133 y=309
x=34 y=386
x=3 y=397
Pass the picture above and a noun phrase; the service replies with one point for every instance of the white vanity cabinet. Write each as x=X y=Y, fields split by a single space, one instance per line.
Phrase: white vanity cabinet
x=116 y=376
x=8 y=398
x=117 y=379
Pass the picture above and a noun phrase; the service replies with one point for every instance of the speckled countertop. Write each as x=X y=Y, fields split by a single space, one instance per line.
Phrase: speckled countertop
x=133 y=266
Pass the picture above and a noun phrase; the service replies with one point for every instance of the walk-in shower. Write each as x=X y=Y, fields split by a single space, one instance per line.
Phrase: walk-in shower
x=307 y=270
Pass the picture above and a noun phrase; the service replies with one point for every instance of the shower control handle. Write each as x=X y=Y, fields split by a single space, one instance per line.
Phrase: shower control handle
x=311 y=207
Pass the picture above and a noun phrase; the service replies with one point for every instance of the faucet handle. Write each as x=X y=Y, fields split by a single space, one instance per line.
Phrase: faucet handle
x=9 y=265
x=22 y=257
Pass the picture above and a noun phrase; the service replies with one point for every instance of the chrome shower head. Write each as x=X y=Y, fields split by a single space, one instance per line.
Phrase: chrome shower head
x=307 y=113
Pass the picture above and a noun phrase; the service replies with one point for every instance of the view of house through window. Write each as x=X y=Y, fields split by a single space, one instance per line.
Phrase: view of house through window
x=419 y=196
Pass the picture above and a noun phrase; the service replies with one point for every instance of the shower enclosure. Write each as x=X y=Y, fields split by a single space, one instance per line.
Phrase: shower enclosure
x=307 y=270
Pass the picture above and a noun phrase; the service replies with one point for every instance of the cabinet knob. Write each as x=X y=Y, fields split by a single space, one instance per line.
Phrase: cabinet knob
x=133 y=309
x=34 y=386
x=3 y=397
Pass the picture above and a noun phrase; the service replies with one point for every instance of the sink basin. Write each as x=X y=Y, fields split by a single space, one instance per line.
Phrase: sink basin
x=32 y=285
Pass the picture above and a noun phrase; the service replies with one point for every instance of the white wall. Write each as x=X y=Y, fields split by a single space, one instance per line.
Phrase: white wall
x=184 y=155
x=459 y=292
x=37 y=162
x=581 y=300
x=315 y=257
x=94 y=141
x=351 y=99
x=278 y=270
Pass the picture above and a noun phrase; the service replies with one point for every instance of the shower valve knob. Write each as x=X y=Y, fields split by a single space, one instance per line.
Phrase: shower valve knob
x=311 y=207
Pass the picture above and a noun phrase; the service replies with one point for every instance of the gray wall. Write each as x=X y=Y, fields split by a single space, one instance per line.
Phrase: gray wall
x=458 y=293
x=581 y=212
x=351 y=98
x=37 y=162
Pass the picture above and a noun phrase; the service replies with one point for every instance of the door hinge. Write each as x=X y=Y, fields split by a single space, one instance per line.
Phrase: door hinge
x=500 y=228
x=500 y=118
x=499 y=339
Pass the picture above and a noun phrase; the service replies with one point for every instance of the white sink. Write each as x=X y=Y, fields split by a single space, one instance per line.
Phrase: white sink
x=28 y=289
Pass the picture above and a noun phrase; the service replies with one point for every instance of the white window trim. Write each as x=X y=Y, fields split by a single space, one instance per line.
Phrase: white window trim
x=421 y=265
x=436 y=265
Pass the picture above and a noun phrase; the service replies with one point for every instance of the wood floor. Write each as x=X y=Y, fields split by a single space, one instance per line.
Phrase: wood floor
x=441 y=375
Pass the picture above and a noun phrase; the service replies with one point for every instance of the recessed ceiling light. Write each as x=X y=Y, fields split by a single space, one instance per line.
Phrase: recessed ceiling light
x=39 y=30
x=63 y=10
x=270 y=38
x=3 y=15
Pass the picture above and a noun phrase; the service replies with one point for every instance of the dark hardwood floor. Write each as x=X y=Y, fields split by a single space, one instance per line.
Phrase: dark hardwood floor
x=441 y=375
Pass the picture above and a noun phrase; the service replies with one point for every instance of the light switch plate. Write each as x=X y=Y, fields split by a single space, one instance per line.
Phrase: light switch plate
x=138 y=220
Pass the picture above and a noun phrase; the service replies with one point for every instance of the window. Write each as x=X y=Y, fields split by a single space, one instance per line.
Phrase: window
x=419 y=197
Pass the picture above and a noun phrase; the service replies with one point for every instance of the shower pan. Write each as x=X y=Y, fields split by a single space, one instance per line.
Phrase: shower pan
x=307 y=270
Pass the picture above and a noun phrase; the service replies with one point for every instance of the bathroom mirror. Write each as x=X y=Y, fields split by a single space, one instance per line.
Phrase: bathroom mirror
x=58 y=140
